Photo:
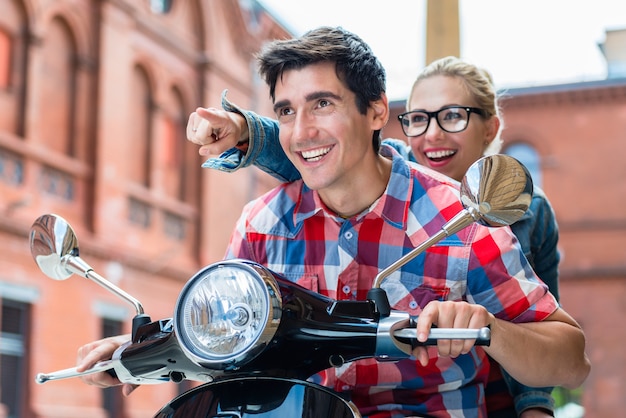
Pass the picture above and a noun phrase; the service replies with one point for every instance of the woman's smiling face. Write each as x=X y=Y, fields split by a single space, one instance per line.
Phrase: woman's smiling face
x=449 y=153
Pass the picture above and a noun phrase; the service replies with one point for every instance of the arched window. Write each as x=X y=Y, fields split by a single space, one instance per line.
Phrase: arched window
x=57 y=88
x=6 y=56
x=189 y=168
x=528 y=156
x=13 y=24
x=179 y=157
x=142 y=107
x=179 y=167
x=174 y=141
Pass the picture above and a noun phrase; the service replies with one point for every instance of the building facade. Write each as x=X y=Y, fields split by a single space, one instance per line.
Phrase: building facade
x=578 y=132
x=573 y=138
x=94 y=100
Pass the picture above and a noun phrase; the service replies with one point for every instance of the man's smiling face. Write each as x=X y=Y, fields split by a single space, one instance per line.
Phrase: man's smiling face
x=321 y=130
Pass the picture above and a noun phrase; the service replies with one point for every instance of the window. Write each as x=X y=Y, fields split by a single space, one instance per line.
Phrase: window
x=112 y=398
x=58 y=83
x=179 y=156
x=528 y=156
x=14 y=35
x=13 y=356
x=143 y=110
x=174 y=140
x=5 y=60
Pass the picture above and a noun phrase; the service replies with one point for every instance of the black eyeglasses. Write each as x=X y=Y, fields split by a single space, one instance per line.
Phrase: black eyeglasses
x=449 y=118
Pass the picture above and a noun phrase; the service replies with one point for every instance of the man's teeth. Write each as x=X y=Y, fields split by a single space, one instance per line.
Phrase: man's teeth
x=440 y=154
x=315 y=155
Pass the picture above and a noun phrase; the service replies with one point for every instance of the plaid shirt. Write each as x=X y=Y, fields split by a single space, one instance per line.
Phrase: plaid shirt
x=292 y=232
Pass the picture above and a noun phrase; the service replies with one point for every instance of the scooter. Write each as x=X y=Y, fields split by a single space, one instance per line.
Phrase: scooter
x=253 y=338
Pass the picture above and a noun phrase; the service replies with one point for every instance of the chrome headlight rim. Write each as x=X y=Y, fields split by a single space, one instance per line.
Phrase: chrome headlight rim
x=265 y=282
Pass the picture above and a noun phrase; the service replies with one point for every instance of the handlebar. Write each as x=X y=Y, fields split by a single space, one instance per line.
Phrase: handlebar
x=102 y=366
x=481 y=335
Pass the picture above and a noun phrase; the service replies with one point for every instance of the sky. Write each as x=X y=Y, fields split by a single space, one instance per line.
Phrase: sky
x=522 y=43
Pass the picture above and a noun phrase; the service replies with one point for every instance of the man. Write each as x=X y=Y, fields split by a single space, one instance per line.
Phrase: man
x=358 y=208
x=443 y=83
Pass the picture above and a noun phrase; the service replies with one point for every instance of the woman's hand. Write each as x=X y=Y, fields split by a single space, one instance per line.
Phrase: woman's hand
x=91 y=353
x=216 y=130
x=535 y=413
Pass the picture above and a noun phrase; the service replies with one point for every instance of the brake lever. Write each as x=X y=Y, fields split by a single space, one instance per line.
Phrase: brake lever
x=101 y=366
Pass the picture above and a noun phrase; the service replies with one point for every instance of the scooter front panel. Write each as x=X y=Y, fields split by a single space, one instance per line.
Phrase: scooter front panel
x=259 y=397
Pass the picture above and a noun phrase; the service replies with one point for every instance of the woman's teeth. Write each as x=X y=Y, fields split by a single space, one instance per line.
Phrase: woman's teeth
x=438 y=155
x=315 y=155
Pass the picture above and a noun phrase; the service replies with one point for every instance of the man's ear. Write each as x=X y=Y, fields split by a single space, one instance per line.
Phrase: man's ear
x=380 y=114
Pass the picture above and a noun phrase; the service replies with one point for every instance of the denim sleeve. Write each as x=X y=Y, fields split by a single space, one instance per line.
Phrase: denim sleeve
x=402 y=147
x=526 y=397
x=538 y=235
x=264 y=150
x=544 y=242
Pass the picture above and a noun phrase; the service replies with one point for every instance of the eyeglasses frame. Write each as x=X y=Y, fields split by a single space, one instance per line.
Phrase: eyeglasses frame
x=435 y=115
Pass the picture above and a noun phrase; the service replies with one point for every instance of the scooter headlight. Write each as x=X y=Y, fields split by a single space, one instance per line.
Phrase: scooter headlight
x=227 y=313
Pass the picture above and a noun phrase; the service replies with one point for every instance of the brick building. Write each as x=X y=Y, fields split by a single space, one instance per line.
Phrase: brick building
x=573 y=138
x=579 y=131
x=94 y=98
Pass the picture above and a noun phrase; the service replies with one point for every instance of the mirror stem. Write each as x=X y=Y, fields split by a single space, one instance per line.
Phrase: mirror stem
x=454 y=225
x=78 y=266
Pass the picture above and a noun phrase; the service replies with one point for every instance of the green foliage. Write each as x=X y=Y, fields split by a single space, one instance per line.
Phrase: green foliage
x=564 y=396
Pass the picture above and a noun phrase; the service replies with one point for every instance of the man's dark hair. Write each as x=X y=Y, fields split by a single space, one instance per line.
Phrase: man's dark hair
x=355 y=63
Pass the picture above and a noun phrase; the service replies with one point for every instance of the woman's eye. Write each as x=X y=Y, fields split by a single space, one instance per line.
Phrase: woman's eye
x=419 y=118
x=452 y=115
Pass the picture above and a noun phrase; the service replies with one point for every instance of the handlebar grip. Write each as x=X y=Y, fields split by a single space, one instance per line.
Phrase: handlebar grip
x=481 y=335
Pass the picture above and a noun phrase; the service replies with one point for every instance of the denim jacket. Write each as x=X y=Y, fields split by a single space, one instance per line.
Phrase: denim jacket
x=537 y=230
x=263 y=150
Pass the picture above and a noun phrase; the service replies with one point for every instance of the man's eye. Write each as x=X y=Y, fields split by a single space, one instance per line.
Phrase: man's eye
x=285 y=111
x=324 y=103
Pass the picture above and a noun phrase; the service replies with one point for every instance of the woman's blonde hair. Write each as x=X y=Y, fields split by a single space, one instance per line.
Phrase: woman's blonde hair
x=479 y=84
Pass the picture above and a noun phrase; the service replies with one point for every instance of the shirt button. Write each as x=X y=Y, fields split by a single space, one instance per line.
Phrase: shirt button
x=348 y=235
x=413 y=304
x=346 y=289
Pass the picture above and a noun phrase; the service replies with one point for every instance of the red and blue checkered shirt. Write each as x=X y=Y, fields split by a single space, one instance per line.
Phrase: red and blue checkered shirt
x=293 y=233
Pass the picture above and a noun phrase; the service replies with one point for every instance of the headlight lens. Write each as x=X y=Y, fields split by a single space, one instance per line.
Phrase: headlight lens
x=227 y=312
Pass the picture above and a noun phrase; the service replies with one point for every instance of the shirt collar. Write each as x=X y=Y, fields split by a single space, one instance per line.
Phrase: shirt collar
x=392 y=206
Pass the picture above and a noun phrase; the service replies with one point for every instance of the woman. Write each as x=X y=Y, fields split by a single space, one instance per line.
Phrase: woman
x=452 y=120
x=445 y=97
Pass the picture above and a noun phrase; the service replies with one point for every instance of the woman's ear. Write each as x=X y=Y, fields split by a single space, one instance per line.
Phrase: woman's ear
x=493 y=126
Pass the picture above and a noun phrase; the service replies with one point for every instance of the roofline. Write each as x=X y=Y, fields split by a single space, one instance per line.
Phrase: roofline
x=568 y=87
x=619 y=82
